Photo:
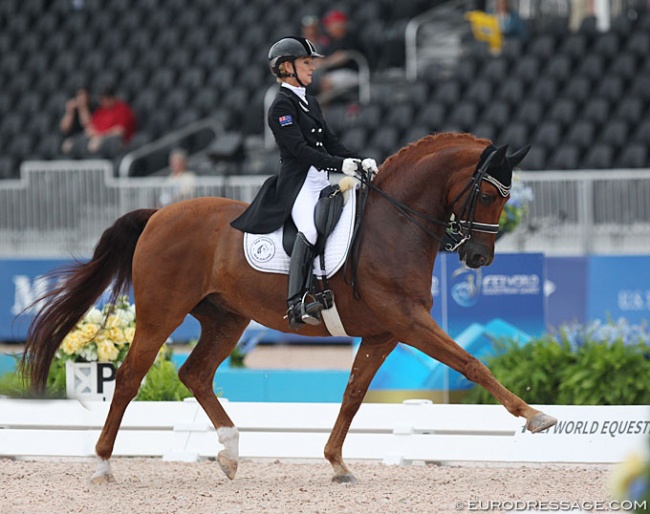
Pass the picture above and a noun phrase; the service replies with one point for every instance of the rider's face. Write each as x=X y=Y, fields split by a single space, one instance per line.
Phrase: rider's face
x=304 y=68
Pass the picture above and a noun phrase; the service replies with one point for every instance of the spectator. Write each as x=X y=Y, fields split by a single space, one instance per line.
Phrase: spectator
x=510 y=22
x=310 y=29
x=111 y=126
x=181 y=181
x=337 y=71
x=75 y=119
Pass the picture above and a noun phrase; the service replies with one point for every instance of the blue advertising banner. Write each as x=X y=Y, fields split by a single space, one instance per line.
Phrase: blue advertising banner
x=566 y=290
x=512 y=288
x=619 y=286
x=23 y=281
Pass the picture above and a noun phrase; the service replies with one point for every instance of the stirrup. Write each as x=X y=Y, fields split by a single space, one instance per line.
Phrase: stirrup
x=310 y=312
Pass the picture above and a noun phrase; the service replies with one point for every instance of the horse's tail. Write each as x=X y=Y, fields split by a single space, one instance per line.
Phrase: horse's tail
x=78 y=288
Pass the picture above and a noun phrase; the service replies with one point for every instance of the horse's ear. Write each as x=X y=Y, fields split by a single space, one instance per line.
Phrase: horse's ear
x=518 y=156
x=499 y=154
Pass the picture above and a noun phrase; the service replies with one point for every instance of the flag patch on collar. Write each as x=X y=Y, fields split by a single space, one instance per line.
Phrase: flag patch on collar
x=285 y=120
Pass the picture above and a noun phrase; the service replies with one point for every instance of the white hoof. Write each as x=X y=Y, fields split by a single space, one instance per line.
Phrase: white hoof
x=103 y=473
x=228 y=458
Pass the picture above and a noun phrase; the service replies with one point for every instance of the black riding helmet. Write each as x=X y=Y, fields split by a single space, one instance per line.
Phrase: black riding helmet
x=289 y=49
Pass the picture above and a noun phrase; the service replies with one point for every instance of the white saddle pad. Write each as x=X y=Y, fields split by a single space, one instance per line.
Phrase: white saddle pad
x=264 y=252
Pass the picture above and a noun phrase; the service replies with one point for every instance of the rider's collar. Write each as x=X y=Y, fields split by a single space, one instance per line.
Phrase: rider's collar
x=300 y=92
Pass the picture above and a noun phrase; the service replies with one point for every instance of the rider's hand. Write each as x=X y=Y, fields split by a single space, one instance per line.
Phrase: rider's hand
x=351 y=167
x=369 y=166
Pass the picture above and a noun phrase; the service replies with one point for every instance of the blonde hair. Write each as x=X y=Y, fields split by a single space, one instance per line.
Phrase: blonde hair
x=282 y=70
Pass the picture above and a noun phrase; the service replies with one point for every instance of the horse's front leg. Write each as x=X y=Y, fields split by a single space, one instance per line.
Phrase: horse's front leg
x=425 y=335
x=370 y=355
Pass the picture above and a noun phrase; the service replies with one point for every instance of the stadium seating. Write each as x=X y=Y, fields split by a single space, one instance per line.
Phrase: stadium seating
x=581 y=98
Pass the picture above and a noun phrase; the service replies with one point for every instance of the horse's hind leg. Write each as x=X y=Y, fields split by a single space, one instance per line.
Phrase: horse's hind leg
x=370 y=355
x=147 y=342
x=220 y=332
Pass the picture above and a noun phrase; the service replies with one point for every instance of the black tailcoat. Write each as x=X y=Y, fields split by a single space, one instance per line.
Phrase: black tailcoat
x=304 y=140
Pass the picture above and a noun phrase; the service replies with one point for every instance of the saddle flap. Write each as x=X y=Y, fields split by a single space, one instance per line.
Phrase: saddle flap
x=268 y=252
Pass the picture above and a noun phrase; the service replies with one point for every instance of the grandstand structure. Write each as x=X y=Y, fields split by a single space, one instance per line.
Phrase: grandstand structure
x=580 y=97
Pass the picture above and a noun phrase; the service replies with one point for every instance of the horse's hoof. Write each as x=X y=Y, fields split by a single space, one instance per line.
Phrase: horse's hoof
x=101 y=479
x=103 y=473
x=540 y=422
x=227 y=465
x=344 y=478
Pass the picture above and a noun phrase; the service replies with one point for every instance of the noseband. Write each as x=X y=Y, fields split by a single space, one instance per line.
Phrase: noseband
x=458 y=230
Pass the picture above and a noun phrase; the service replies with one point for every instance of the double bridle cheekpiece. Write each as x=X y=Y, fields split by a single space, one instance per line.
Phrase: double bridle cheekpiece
x=459 y=228
x=460 y=231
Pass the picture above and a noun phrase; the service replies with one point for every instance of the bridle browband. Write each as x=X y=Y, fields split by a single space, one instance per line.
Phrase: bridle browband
x=458 y=230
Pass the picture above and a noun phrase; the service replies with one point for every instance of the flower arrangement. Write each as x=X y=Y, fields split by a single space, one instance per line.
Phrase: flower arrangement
x=630 y=481
x=517 y=205
x=101 y=335
x=621 y=331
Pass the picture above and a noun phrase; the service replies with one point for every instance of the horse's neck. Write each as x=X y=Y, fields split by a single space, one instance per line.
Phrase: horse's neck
x=420 y=189
x=425 y=193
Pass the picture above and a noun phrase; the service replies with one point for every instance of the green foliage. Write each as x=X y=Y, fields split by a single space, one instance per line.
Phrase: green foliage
x=162 y=384
x=14 y=385
x=553 y=371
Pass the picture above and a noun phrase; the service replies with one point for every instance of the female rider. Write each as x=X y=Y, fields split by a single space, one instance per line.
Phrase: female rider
x=309 y=150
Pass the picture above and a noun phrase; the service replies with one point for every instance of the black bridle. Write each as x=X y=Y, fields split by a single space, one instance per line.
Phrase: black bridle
x=458 y=230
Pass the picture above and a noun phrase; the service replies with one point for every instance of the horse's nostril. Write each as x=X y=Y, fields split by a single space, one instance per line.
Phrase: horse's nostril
x=478 y=260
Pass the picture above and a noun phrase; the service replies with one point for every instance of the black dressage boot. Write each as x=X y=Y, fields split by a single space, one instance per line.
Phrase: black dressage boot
x=300 y=271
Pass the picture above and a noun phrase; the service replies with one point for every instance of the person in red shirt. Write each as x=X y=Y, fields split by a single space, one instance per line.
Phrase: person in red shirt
x=111 y=125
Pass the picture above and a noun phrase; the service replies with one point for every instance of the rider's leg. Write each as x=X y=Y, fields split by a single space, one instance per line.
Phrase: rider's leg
x=302 y=258
x=302 y=255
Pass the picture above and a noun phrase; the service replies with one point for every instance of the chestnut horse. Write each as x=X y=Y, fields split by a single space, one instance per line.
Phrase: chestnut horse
x=186 y=258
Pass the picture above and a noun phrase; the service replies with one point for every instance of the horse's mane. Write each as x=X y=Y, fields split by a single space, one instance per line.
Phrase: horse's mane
x=433 y=142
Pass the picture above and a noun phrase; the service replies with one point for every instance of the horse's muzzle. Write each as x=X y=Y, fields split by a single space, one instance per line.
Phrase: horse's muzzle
x=475 y=255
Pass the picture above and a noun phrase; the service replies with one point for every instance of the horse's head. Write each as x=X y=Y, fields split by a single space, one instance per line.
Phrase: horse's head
x=477 y=204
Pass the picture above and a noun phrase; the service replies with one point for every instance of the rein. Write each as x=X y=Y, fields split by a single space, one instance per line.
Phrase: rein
x=459 y=231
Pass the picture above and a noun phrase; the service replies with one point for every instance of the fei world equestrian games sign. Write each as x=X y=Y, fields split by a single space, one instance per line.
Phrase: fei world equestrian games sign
x=570 y=288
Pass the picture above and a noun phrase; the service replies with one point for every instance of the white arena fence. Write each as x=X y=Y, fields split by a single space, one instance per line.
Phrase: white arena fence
x=415 y=430
x=60 y=208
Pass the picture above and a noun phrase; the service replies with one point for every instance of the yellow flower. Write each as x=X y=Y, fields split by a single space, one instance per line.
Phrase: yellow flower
x=89 y=330
x=106 y=351
x=129 y=333
x=113 y=321
x=624 y=474
x=73 y=342
x=115 y=335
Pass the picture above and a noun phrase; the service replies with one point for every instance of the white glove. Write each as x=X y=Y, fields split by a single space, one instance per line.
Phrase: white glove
x=369 y=166
x=350 y=167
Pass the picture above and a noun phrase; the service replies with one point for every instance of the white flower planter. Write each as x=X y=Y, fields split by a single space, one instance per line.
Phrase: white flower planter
x=90 y=380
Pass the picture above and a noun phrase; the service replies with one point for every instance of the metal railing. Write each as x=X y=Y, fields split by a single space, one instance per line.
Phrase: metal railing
x=580 y=212
x=60 y=208
x=167 y=141
x=442 y=17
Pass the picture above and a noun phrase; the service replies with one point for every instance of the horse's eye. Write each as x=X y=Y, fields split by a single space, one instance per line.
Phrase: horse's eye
x=486 y=198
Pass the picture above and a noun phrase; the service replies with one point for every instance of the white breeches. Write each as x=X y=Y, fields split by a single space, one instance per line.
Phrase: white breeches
x=303 y=208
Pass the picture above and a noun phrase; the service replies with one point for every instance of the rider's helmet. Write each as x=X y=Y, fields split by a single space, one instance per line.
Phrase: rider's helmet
x=289 y=49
